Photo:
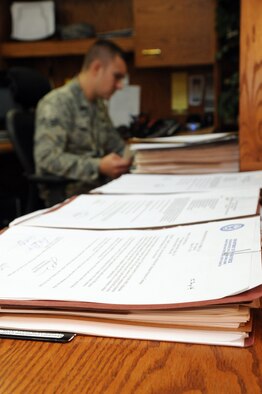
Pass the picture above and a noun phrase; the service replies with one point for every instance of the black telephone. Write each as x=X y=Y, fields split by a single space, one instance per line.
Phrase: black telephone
x=143 y=127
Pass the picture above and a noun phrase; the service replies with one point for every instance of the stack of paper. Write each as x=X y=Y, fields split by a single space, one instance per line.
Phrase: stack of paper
x=192 y=283
x=167 y=184
x=209 y=153
x=128 y=273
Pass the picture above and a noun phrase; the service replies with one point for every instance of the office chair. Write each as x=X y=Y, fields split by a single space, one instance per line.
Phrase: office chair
x=28 y=86
x=20 y=125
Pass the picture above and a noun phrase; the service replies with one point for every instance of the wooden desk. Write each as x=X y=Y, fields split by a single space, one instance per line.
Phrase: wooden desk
x=102 y=365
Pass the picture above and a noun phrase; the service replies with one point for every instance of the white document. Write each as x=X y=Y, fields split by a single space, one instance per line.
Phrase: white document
x=177 y=265
x=147 y=211
x=124 y=104
x=188 y=139
x=160 y=184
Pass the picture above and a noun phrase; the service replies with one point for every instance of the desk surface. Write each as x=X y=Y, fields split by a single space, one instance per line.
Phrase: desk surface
x=104 y=365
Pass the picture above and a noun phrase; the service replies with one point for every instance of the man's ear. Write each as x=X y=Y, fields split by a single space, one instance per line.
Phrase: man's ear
x=96 y=66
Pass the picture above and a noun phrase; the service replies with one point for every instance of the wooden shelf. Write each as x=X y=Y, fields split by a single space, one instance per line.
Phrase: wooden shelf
x=6 y=146
x=56 y=48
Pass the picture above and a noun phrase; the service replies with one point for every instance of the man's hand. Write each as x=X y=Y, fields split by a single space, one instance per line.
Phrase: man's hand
x=114 y=165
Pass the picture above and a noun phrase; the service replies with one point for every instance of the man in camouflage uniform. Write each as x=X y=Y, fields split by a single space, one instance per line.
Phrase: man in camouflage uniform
x=74 y=136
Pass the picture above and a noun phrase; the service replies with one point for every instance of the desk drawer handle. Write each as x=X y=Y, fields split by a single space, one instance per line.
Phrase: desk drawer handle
x=151 y=52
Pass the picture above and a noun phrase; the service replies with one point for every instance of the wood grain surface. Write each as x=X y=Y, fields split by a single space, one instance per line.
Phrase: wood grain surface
x=104 y=365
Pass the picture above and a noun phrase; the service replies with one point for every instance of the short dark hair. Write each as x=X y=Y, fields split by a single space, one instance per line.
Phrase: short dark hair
x=104 y=50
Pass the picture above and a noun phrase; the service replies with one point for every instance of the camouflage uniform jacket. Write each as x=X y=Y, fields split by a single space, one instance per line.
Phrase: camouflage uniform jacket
x=72 y=135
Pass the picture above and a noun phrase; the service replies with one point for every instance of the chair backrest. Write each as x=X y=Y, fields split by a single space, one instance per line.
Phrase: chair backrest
x=20 y=126
x=27 y=85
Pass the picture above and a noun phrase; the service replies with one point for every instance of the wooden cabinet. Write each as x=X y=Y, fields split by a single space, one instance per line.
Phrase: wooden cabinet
x=166 y=32
x=174 y=33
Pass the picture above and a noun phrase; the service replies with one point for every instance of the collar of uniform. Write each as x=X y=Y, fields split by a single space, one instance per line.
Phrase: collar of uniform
x=84 y=103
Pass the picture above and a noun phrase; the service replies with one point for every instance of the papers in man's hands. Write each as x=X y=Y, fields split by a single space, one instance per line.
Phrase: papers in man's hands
x=146 y=211
x=131 y=268
x=161 y=184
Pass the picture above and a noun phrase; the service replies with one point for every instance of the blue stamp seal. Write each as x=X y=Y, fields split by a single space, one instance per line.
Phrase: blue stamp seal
x=232 y=227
